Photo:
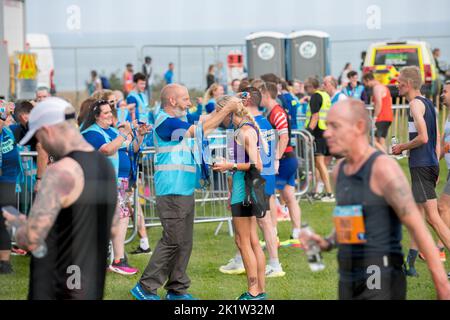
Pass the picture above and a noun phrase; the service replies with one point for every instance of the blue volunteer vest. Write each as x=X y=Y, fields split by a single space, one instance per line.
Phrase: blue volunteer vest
x=115 y=157
x=142 y=105
x=175 y=166
x=355 y=93
x=336 y=97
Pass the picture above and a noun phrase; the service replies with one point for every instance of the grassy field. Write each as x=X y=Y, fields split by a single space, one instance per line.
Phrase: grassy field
x=211 y=251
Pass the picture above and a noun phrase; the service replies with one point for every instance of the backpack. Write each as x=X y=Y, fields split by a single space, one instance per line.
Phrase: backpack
x=105 y=82
x=255 y=190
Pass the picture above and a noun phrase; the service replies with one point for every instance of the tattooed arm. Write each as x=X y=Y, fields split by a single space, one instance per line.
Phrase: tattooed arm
x=61 y=186
x=388 y=181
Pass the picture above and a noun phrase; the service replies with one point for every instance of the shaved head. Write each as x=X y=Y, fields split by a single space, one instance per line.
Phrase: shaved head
x=171 y=91
x=175 y=100
x=348 y=127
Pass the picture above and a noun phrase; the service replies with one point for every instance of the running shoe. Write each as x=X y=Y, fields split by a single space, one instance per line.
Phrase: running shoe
x=140 y=294
x=174 y=296
x=233 y=267
x=410 y=271
x=16 y=251
x=248 y=296
x=272 y=272
x=442 y=256
x=123 y=268
x=328 y=198
x=317 y=196
x=5 y=267
x=291 y=243
x=139 y=250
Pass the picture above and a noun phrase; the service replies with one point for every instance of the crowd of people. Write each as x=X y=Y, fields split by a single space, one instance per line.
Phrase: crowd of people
x=87 y=167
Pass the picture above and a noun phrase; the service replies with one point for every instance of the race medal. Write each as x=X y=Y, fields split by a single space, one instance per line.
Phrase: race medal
x=349 y=224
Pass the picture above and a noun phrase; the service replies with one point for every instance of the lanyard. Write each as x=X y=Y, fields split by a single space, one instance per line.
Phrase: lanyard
x=1 y=152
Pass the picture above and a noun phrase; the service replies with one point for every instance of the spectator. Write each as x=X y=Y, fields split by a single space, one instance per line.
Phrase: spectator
x=168 y=76
x=363 y=59
x=290 y=103
x=99 y=131
x=138 y=97
x=42 y=93
x=436 y=56
x=125 y=111
x=354 y=88
x=95 y=84
x=10 y=172
x=211 y=96
x=343 y=77
x=147 y=70
x=210 y=77
x=330 y=85
x=127 y=79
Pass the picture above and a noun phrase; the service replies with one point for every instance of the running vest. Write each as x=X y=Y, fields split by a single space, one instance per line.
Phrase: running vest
x=175 y=165
x=238 y=154
x=78 y=240
x=386 y=113
x=425 y=155
x=366 y=225
x=115 y=157
x=128 y=85
x=326 y=105
x=142 y=105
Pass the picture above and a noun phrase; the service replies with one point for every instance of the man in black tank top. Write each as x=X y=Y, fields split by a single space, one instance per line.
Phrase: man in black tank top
x=373 y=198
x=424 y=151
x=69 y=225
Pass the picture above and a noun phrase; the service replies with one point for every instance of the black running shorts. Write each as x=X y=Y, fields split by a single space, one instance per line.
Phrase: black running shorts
x=382 y=129
x=424 y=180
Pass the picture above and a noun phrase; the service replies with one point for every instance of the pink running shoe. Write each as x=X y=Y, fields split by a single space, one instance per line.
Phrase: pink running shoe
x=123 y=268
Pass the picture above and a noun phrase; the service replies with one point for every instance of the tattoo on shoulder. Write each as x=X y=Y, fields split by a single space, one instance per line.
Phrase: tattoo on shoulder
x=398 y=194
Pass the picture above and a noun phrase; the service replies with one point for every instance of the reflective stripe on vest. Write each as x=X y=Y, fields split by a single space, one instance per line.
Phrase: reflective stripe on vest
x=175 y=166
x=323 y=113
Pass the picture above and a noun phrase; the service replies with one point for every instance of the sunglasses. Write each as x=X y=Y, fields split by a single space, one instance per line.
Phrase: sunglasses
x=97 y=104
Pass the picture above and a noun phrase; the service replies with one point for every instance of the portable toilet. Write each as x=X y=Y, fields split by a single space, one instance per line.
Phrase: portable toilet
x=308 y=55
x=266 y=53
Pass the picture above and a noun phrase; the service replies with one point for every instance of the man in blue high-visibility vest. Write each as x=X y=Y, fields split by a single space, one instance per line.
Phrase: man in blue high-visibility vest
x=176 y=177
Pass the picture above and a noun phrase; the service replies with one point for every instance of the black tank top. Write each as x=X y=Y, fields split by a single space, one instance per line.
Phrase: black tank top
x=382 y=226
x=79 y=238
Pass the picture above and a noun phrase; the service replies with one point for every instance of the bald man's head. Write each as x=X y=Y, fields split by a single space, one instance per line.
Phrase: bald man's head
x=175 y=99
x=347 y=122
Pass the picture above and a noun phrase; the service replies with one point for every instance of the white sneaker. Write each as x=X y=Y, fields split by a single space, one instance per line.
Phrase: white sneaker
x=272 y=272
x=233 y=267
x=328 y=198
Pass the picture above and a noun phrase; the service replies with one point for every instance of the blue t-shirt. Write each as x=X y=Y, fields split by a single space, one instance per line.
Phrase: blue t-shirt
x=132 y=99
x=210 y=106
x=167 y=129
x=268 y=134
x=10 y=158
x=97 y=140
x=168 y=76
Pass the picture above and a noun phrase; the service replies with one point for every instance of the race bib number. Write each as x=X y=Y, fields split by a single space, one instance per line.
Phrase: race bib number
x=349 y=224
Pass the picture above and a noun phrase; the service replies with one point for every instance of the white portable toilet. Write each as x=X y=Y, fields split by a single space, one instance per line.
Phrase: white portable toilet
x=266 y=53
x=307 y=55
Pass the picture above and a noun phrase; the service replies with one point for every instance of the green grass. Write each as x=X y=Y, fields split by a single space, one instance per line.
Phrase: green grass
x=211 y=251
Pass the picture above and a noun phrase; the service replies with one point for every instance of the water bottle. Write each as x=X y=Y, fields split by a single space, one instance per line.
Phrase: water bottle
x=40 y=251
x=314 y=256
x=394 y=141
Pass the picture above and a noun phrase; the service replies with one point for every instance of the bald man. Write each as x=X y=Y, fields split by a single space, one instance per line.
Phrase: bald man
x=175 y=182
x=373 y=199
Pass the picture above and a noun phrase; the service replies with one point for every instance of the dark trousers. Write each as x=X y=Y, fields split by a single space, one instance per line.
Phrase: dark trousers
x=7 y=198
x=170 y=259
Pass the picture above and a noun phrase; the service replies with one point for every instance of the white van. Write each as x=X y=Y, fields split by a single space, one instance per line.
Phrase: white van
x=40 y=45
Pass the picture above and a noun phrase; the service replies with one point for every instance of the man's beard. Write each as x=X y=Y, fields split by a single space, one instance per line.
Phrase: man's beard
x=179 y=113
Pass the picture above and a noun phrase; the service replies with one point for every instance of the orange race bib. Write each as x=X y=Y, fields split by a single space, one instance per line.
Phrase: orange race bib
x=349 y=224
